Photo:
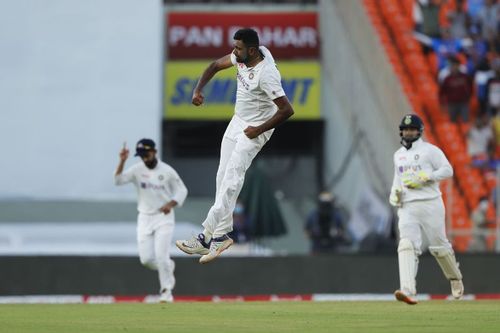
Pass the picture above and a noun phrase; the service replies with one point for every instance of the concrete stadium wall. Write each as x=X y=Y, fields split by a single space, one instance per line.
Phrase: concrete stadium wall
x=237 y=276
x=360 y=94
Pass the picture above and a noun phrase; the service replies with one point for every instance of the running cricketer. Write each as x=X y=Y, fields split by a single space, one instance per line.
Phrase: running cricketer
x=418 y=168
x=159 y=190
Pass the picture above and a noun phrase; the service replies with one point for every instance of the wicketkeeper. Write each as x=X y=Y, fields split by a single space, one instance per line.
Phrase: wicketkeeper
x=418 y=168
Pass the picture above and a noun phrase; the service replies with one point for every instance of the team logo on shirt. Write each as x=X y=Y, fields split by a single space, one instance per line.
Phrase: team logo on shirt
x=405 y=168
x=147 y=186
x=242 y=81
x=250 y=76
x=160 y=177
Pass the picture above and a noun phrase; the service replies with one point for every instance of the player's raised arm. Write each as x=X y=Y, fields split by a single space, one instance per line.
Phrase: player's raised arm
x=123 y=157
x=208 y=74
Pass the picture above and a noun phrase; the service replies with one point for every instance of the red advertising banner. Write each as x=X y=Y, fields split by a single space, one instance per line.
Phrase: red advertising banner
x=289 y=35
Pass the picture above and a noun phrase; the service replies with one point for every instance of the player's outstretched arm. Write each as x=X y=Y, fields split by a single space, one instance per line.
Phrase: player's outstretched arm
x=208 y=74
x=285 y=111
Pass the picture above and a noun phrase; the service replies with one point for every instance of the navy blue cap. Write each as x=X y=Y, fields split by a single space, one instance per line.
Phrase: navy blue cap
x=143 y=146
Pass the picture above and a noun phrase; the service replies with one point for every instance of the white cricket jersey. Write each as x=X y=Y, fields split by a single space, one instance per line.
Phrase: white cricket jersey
x=257 y=88
x=155 y=187
x=422 y=156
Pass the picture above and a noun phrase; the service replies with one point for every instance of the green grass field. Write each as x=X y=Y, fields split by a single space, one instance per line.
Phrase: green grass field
x=261 y=317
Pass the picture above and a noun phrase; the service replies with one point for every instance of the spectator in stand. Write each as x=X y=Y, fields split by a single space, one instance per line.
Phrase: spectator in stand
x=443 y=73
x=426 y=17
x=444 y=47
x=455 y=92
x=480 y=223
x=493 y=88
x=495 y=124
x=480 y=139
x=473 y=8
x=494 y=45
x=475 y=48
x=487 y=19
x=481 y=76
x=459 y=21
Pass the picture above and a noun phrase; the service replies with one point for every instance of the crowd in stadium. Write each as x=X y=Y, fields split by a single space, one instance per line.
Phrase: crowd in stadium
x=446 y=56
x=462 y=42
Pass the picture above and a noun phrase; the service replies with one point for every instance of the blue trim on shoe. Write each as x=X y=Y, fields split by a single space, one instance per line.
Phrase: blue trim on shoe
x=201 y=238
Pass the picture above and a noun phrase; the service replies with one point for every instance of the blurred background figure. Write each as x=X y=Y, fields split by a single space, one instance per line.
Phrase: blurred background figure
x=480 y=139
x=241 y=224
x=326 y=226
x=493 y=89
x=480 y=225
x=455 y=92
x=426 y=17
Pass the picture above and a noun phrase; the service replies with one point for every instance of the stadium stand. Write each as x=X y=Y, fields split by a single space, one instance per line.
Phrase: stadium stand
x=417 y=72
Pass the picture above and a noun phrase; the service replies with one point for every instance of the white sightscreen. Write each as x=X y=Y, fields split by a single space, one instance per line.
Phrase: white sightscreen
x=77 y=78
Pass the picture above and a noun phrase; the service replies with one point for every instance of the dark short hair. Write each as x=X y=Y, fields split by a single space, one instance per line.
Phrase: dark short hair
x=248 y=36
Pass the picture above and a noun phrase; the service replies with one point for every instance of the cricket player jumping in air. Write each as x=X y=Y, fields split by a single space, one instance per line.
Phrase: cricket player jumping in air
x=261 y=105
x=418 y=168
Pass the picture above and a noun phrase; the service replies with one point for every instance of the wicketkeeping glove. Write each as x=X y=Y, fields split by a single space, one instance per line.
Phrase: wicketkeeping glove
x=395 y=197
x=423 y=177
x=415 y=181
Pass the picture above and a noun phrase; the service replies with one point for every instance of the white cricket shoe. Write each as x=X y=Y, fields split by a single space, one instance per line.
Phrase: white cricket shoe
x=457 y=288
x=166 y=296
x=195 y=245
x=217 y=246
x=403 y=297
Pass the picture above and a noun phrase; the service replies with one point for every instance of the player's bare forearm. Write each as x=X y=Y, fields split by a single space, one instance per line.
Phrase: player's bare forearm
x=284 y=112
x=208 y=74
x=123 y=158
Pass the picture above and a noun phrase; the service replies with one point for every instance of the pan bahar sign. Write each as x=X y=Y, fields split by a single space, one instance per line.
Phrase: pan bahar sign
x=300 y=80
x=289 y=35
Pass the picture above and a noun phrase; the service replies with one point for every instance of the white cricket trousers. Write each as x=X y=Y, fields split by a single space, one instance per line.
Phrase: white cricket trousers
x=154 y=235
x=236 y=154
x=425 y=216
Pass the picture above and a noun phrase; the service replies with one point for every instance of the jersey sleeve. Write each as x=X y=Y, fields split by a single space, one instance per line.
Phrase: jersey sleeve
x=270 y=83
x=125 y=177
x=440 y=164
x=178 y=188
x=233 y=59
x=396 y=181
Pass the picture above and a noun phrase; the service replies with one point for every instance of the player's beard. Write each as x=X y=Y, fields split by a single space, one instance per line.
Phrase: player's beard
x=151 y=164
x=242 y=60
x=410 y=139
